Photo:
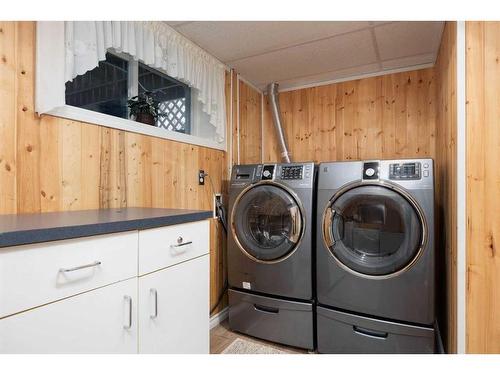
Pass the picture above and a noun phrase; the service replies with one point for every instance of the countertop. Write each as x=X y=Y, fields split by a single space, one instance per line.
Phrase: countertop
x=22 y=229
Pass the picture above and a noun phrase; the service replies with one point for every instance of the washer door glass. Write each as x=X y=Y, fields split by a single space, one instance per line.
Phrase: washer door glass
x=267 y=222
x=374 y=230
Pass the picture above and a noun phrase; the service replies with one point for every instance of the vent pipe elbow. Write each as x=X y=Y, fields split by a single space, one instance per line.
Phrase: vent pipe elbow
x=272 y=91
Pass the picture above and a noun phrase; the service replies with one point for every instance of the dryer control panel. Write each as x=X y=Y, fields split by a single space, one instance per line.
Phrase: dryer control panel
x=292 y=172
x=404 y=171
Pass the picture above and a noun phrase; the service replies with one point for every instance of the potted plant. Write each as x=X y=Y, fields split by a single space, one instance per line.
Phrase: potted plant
x=144 y=108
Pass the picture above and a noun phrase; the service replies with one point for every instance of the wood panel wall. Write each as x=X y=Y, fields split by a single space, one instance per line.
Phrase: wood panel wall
x=483 y=187
x=446 y=190
x=386 y=117
x=54 y=164
x=250 y=124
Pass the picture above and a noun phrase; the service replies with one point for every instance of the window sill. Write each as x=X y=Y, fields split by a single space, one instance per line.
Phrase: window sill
x=84 y=115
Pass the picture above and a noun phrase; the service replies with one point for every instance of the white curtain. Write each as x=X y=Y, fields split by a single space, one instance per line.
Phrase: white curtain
x=155 y=44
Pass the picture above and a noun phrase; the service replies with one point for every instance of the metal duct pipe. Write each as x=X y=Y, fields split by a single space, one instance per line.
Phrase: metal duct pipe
x=272 y=91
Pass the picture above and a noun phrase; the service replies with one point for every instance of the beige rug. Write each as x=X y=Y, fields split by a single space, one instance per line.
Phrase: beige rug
x=242 y=346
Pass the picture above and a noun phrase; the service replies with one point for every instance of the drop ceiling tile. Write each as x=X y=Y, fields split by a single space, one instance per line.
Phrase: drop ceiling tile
x=401 y=39
x=337 y=53
x=328 y=76
x=426 y=58
x=232 y=40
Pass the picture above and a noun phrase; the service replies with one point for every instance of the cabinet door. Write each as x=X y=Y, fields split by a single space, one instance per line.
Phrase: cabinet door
x=103 y=320
x=174 y=309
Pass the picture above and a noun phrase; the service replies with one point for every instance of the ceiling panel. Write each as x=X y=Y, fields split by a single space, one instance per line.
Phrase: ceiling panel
x=231 y=40
x=401 y=39
x=317 y=79
x=302 y=53
x=326 y=55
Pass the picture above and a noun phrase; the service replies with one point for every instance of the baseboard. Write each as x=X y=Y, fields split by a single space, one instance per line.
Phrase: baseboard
x=219 y=317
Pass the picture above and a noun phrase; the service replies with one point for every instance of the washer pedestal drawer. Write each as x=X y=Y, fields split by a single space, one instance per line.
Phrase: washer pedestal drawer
x=273 y=319
x=345 y=333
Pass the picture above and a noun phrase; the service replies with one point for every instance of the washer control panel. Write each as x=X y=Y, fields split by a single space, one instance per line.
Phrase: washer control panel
x=295 y=175
x=405 y=171
x=292 y=172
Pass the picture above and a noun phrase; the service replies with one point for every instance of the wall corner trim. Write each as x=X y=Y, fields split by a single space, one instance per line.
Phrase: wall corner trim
x=461 y=190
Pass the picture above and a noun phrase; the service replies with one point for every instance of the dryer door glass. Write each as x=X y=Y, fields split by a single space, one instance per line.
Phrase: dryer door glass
x=374 y=230
x=267 y=222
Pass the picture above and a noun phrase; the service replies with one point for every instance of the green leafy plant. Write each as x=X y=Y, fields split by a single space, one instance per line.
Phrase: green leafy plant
x=144 y=103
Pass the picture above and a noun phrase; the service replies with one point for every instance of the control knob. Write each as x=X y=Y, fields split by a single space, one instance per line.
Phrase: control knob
x=370 y=172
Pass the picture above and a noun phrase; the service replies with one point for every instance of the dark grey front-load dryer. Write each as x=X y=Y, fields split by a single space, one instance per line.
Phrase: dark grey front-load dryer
x=270 y=255
x=375 y=239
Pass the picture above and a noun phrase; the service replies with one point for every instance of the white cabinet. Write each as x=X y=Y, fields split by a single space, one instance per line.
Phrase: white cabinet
x=100 y=321
x=174 y=309
x=145 y=291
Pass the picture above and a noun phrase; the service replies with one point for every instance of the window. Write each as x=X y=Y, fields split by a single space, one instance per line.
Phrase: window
x=173 y=97
x=103 y=89
x=107 y=89
x=90 y=71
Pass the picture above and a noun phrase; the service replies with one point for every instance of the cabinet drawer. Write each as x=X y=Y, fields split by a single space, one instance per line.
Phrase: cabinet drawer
x=344 y=333
x=100 y=321
x=34 y=275
x=273 y=319
x=166 y=246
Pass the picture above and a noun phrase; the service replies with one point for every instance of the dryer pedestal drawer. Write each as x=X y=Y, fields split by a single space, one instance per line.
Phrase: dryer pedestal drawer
x=273 y=319
x=340 y=332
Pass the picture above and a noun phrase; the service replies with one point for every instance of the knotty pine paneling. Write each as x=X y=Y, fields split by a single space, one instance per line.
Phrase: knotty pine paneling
x=483 y=187
x=446 y=190
x=386 y=117
x=250 y=124
x=235 y=133
x=8 y=100
x=53 y=164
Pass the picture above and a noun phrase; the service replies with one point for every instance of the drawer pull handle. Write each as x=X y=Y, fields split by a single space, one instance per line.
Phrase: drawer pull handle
x=369 y=333
x=265 y=309
x=180 y=242
x=90 y=265
x=154 y=292
x=128 y=300
x=180 y=247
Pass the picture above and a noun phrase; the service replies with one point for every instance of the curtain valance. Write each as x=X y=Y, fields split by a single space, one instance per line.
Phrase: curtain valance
x=154 y=43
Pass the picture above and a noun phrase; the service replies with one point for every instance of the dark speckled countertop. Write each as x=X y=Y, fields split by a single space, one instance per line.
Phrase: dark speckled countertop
x=24 y=229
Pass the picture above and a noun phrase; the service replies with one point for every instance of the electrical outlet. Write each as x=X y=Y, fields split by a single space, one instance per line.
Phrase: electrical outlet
x=201 y=177
x=217 y=198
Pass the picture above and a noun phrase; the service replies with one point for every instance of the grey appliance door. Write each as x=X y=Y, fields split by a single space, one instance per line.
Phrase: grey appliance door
x=373 y=230
x=267 y=223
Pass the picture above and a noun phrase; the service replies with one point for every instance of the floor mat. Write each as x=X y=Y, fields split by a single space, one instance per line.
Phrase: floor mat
x=242 y=346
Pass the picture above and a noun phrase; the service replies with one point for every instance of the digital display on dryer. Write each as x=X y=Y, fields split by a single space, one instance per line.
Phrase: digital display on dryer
x=404 y=171
x=292 y=172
